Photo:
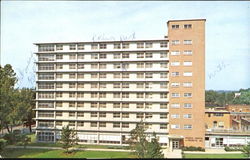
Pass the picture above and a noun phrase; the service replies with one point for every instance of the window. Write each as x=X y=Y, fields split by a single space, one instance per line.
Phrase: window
x=163 y=75
x=125 y=115
x=163 y=116
x=125 y=65
x=117 y=55
x=72 y=85
x=117 y=66
x=45 y=105
x=176 y=26
x=59 y=66
x=72 y=114
x=149 y=75
x=80 y=66
x=187 y=84
x=71 y=104
x=94 y=85
x=80 y=104
x=187 y=105
x=94 y=46
x=117 y=46
x=58 y=104
x=80 y=85
x=58 y=123
x=94 y=75
x=72 y=47
x=46 y=57
x=125 y=75
x=59 y=75
x=46 y=85
x=175 y=126
x=188 y=52
x=103 y=75
x=163 y=106
x=59 y=47
x=93 y=105
x=175 y=105
x=59 y=94
x=72 y=124
x=175 y=74
x=140 y=45
x=80 y=124
x=116 y=95
x=139 y=115
x=116 y=75
x=175 y=42
x=175 y=95
x=149 y=44
x=116 y=85
x=164 y=95
x=139 y=105
x=140 y=95
x=80 y=46
x=148 y=115
x=163 y=126
x=80 y=75
x=187 y=74
x=187 y=42
x=102 y=105
x=72 y=95
x=149 y=65
x=93 y=124
x=46 y=67
x=187 y=26
x=125 y=45
x=163 y=85
x=163 y=55
x=72 y=75
x=80 y=114
x=125 y=55
x=140 y=75
x=103 y=115
x=94 y=95
x=102 y=85
x=93 y=114
x=59 y=56
x=116 y=105
x=174 y=53
x=187 y=63
x=72 y=66
x=103 y=46
x=94 y=56
x=164 y=65
x=187 y=116
x=94 y=66
x=116 y=125
x=140 y=85
x=175 y=84
x=187 y=94
x=45 y=48
x=175 y=63
x=103 y=55
x=125 y=85
x=187 y=126
x=125 y=95
x=116 y=115
x=218 y=114
x=140 y=55
x=149 y=55
x=72 y=56
x=140 y=65
x=164 y=44
x=46 y=95
x=102 y=124
x=102 y=95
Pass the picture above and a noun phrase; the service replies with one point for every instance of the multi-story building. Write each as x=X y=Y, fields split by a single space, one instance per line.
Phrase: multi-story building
x=104 y=88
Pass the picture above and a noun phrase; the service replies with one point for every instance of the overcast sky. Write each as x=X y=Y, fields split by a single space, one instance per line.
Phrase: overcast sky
x=227 y=31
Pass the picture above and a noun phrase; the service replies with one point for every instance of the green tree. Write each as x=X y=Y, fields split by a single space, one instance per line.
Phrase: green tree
x=142 y=147
x=3 y=143
x=244 y=98
x=246 y=149
x=24 y=140
x=154 y=148
x=68 y=138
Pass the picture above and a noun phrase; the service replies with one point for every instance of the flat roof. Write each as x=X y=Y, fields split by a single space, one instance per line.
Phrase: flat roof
x=104 y=41
x=186 y=20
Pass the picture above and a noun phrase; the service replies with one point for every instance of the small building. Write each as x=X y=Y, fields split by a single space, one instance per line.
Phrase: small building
x=217 y=119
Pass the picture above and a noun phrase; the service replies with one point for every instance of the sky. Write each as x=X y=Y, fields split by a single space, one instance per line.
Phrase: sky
x=227 y=31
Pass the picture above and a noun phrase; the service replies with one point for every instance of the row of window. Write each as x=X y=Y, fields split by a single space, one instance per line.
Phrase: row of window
x=100 y=66
x=185 y=116
x=185 y=26
x=50 y=57
x=185 y=126
x=102 y=105
x=50 y=114
x=104 y=85
x=101 y=95
x=92 y=124
x=185 y=63
x=50 y=76
x=186 y=74
x=177 y=52
x=174 y=95
x=185 y=42
x=95 y=46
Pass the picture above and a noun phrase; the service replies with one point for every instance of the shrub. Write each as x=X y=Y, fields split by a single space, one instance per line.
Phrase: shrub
x=228 y=149
x=3 y=143
x=192 y=148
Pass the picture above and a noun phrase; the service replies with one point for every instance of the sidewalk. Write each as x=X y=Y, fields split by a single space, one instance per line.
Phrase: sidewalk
x=80 y=149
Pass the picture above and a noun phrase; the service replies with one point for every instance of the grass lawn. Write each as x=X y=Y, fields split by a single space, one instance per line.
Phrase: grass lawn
x=215 y=156
x=44 y=153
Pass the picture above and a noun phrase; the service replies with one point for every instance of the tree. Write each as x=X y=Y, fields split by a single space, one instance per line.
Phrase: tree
x=3 y=143
x=154 y=148
x=142 y=147
x=246 y=149
x=68 y=138
x=24 y=140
